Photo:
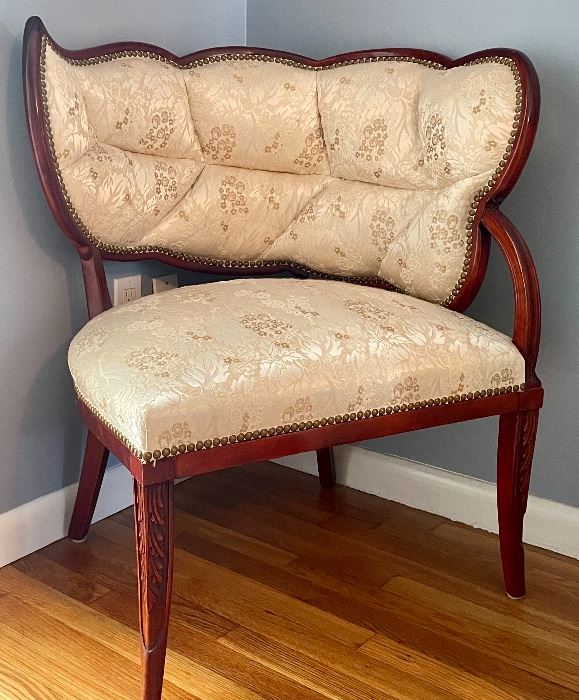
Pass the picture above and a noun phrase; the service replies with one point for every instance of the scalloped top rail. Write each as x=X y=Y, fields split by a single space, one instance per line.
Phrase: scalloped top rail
x=373 y=169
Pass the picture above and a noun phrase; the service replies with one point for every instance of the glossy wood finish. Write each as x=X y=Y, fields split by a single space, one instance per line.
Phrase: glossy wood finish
x=153 y=486
x=95 y=282
x=284 y=591
x=91 y=479
x=154 y=541
x=527 y=321
x=517 y=432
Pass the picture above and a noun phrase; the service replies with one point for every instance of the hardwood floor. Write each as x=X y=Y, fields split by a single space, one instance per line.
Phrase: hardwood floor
x=287 y=592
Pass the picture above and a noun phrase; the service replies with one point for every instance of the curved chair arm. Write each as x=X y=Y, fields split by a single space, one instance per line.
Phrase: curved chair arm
x=527 y=321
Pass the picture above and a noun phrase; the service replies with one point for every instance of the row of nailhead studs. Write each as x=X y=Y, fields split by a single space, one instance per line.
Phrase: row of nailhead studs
x=484 y=191
x=218 y=58
x=290 y=264
x=147 y=457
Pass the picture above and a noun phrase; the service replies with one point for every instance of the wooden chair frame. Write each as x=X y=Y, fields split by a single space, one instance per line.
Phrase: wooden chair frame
x=153 y=482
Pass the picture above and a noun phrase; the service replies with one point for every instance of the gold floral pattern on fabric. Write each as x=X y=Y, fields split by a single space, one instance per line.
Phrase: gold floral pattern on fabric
x=445 y=232
x=382 y=226
x=232 y=213
x=272 y=109
x=406 y=237
x=220 y=144
x=165 y=181
x=313 y=153
x=138 y=142
x=435 y=142
x=373 y=144
x=269 y=365
x=153 y=361
x=162 y=126
x=124 y=196
x=268 y=326
x=232 y=195
x=300 y=411
x=180 y=433
x=406 y=391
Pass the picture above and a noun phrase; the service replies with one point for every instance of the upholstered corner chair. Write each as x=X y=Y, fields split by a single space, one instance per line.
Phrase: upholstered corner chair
x=375 y=178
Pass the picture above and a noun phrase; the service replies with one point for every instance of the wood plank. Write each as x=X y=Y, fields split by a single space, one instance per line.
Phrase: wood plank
x=64 y=654
x=219 y=536
x=333 y=670
x=235 y=597
x=286 y=591
x=19 y=679
x=207 y=651
x=73 y=583
x=338 y=500
x=263 y=481
x=535 y=649
x=255 y=608
x=546 y=571
x=190 y=679
x=441 y=675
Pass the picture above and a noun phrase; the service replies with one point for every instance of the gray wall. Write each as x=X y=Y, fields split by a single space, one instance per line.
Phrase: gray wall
x=543 y=205
x=42 y=300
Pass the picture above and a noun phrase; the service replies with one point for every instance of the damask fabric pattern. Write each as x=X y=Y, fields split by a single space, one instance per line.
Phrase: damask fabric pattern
x=367 y=169
x=220 y=359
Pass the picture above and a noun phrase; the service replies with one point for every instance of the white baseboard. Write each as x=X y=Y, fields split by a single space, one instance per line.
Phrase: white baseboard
x=548 y=524
x=38 y=523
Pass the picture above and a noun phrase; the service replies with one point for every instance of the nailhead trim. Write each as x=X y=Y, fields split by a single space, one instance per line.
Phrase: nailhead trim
x=151 y=457
x=288 y=264
x=486 y=189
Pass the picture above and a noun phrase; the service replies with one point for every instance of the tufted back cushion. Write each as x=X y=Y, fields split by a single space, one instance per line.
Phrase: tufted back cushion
x=364 y=169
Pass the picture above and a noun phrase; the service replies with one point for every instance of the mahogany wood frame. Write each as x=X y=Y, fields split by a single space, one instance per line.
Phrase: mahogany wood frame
x=518 y=411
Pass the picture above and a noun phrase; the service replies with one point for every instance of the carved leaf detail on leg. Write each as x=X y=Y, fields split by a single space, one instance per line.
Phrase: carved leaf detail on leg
x=152 y=542
x=529 y=433
x=153 y=520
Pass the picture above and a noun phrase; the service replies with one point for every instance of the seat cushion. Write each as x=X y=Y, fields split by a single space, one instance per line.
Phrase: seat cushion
x=205 y=365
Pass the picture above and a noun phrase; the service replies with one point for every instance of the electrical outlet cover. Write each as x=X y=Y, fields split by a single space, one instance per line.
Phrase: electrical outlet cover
x=126 y=289
x=163 y=284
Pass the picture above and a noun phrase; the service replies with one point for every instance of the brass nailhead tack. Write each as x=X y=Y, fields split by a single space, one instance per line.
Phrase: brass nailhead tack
x=147 y=457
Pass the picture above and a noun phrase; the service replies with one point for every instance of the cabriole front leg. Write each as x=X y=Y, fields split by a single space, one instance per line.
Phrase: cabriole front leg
x=154 y=540
x=517 y=432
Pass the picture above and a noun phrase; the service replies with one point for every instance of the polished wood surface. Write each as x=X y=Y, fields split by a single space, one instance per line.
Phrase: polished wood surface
x=527 y=321
x=286 y=591
x=91 y=478
x=517 y=433
x=154 y=513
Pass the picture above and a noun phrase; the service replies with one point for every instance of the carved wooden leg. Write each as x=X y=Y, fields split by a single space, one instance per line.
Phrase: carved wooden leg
x=517 y=433
x=154 y=536
x=91 y=479
x=326 y=468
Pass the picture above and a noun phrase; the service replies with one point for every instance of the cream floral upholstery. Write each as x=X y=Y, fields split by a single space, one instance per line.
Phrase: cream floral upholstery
x=206 y=365
x=369 y=169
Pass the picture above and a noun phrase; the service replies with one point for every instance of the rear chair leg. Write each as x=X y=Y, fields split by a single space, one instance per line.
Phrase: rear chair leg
x=517 y=432
x=326 y=467
x=91 y=479
x=154 y=540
